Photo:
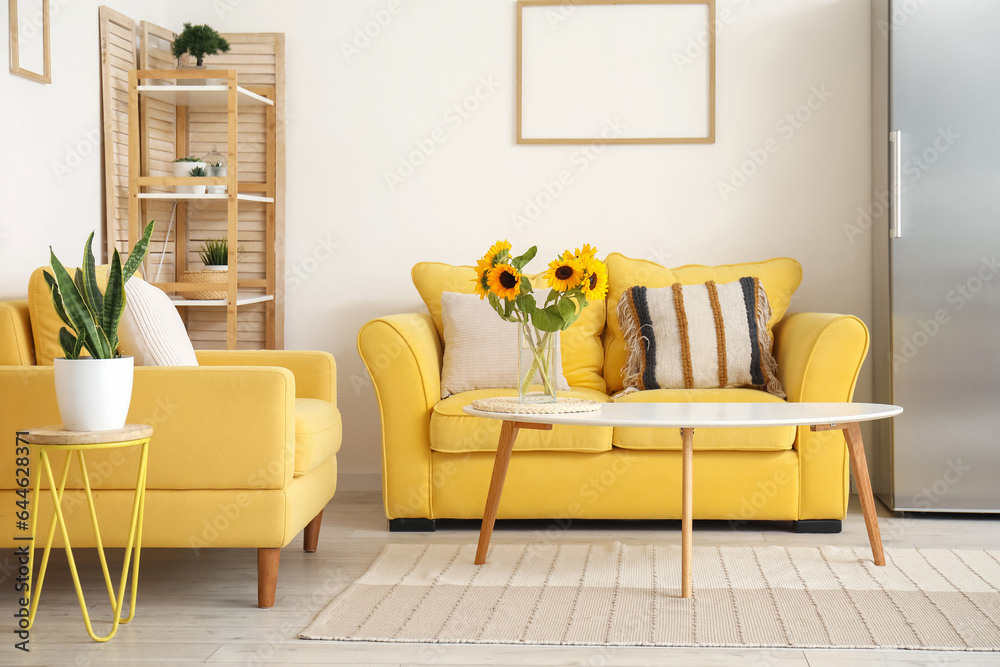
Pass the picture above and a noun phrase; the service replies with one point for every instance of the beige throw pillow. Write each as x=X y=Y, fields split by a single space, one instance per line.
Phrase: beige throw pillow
x=151 y=330
x=480 y=349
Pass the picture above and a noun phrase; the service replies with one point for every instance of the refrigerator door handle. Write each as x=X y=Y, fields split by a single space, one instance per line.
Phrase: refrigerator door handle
x=895 y=185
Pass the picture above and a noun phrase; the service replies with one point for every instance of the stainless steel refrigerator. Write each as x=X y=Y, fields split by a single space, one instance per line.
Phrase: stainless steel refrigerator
x=935 y=226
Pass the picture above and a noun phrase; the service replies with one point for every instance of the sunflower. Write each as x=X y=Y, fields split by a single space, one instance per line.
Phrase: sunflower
x=495 y=251
x=564 y=273
x=586 y=254
x=505 y=281
x=481 y=286
x=595 y=284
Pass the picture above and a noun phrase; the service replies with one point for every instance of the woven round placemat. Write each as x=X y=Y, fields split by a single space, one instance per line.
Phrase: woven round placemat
x=510 y=404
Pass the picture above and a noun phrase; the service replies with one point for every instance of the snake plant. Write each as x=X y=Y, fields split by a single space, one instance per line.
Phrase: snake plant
x=92 y=317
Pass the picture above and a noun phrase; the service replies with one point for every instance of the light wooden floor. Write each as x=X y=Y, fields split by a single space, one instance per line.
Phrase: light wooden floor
x=200 y=607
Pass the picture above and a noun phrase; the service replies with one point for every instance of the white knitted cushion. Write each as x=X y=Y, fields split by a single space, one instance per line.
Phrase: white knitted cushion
x=151 y=330
x=480 y=349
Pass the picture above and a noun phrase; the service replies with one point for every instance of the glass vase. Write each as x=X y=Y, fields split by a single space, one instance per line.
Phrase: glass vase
x=536 y=365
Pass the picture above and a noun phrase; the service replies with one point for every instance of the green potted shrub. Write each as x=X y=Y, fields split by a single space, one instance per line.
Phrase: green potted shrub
x=93 y=393
x=199 y=41
x=183 y=167
x=214 y=254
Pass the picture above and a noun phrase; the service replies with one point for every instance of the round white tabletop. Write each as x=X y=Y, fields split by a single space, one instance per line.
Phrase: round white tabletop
x=707 y=415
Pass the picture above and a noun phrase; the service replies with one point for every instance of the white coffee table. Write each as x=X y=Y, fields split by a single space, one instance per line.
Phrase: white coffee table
x=687 y=417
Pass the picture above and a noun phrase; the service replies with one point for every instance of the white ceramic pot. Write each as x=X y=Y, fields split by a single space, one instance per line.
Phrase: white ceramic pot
x=216 y=267
x=182 y=169
x=94 y=394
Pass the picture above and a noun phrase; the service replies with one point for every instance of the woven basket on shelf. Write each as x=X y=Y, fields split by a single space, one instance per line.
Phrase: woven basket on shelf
x=221 y=277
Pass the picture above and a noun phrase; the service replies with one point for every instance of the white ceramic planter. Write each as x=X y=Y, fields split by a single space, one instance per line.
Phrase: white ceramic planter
x=94 y=394
x=182 y=169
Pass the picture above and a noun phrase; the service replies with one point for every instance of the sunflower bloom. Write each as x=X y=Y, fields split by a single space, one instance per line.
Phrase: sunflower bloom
x=481 y=283
x=495 y=251
x=505 y=281
x=564 y=273
x=595 y=284
x=586 y=254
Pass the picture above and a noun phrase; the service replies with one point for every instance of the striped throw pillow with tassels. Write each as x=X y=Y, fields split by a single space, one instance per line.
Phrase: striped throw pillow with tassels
x=698 y=337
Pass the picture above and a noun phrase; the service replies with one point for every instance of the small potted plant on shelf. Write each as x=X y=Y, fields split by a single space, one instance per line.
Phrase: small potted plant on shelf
x=214 y=254
x=93 y=393
x=217 y=167
x=185 y=166
x=199 y=41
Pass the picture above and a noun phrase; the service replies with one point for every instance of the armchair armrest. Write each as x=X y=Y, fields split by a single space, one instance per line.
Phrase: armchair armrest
x=17 y=348
x=315 y=372
x=819 y=358
x=213 y=428
x=403 y=354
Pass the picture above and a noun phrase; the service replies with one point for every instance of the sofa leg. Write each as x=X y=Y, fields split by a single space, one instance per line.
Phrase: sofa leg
x=267 y=576
x=817 y=526
x=412 y=525
x=310 y=537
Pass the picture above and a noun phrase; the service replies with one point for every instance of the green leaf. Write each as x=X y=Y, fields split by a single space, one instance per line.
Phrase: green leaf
x=138 y=253
x=56 y=297
x=114 y=301
x=547 y=319
x=567 y=309
x=91 y=292
x=525 y=303
x=77 y=311
x=95 y=300
x=70 y=344
x=519 y=261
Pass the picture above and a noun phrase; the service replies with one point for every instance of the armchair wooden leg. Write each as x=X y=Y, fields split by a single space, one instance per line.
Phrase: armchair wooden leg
x=267 y=576
x=310 y=537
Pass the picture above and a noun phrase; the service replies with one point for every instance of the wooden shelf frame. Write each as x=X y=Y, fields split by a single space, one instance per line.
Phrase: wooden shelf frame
x=236 y=193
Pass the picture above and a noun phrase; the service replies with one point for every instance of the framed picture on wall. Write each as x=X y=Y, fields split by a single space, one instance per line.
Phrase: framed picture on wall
x=30 y=52
x=615 y=71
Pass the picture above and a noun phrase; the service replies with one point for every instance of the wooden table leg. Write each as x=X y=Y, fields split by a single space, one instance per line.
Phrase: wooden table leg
x=859 y=465
x=687 y=511
x=508 y=434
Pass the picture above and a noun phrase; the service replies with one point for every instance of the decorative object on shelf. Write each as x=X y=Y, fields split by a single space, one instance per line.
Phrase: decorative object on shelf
x=214 y=254
x=574 y=279
x=183 y=167
x=93 y=394
x=27 y=32
x=198 y=172
x=217 y=167
x=199 y=41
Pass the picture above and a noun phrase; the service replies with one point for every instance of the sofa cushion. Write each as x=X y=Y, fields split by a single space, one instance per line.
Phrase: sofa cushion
x=780 y=278
x=581 y=346
x=45 y=322
x=480 y=348
x=151 y=329
x=762 y=439
x=453 y=431
x=318 y=433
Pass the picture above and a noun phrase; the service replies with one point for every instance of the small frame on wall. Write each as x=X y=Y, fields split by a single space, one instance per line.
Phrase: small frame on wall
x=30 y=52
x=615 y=71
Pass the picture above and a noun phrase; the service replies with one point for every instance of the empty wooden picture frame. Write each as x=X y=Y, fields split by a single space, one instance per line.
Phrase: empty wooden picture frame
x=29 y=39
x=615 y=71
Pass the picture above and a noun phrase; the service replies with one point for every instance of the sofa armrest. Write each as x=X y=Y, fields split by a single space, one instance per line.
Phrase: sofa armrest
x=17 y=347
x=213 y=428
x=403 y=354
x=819 y=355
x=315 y=372
x=819 y=358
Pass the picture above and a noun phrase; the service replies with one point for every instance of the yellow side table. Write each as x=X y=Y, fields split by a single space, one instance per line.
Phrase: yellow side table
x=55 y=439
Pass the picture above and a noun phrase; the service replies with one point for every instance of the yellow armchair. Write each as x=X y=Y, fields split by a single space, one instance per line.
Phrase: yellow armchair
x=243 y=452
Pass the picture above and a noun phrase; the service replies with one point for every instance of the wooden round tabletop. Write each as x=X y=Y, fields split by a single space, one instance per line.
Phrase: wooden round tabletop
x=57 y=435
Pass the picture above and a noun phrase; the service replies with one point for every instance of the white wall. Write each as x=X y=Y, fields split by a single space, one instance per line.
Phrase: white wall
x=351 y=120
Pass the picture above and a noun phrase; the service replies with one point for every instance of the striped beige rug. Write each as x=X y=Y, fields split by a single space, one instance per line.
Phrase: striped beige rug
x=614 y=594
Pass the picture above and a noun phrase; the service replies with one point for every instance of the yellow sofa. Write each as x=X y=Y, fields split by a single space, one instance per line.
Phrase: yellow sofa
x=436 y=460
x=243 y=452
